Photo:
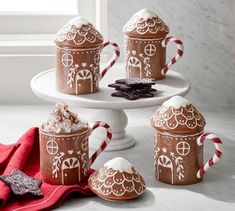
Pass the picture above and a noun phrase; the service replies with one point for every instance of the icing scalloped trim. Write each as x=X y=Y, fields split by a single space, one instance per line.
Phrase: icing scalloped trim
x=78 y=30
x=172 y=117
x=145 y=21
x=119 y=187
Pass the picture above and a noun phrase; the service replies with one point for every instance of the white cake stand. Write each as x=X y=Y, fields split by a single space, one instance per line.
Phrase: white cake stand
x=110 y=109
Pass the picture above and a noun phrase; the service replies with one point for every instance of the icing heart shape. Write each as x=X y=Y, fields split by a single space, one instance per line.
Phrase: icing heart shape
x=70 y=152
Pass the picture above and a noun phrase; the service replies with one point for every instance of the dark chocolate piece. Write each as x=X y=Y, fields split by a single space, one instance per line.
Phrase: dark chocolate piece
x=22 y=184
x=133 y=89
x=135 y=81
x=118 y=94
x=131 y=96
x=147 y=94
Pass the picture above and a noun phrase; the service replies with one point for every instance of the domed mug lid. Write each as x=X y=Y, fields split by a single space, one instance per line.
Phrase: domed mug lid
x=178 y=115
x=146 y=23
x=78 y=32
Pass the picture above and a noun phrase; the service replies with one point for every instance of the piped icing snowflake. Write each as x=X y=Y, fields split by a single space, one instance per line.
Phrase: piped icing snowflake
x=111 y=183
x=170 y=118
x=145 y=21
x=79 y=31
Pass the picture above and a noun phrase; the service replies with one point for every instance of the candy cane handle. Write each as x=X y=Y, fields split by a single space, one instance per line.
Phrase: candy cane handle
x=180 y=51
x=114 y=58
x=217 y=154
x=105 y=142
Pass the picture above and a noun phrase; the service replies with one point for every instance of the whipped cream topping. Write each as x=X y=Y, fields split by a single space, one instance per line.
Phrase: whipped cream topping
x=61 y=120
x=176 y=102
x=119 y=164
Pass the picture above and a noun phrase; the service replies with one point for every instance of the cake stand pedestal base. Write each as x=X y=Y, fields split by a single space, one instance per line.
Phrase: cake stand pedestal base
x=117 y=120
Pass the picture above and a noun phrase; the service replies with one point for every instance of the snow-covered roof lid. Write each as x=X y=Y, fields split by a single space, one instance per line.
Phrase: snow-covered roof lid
x=178 y=115
x=146 y=23
x=78 y=32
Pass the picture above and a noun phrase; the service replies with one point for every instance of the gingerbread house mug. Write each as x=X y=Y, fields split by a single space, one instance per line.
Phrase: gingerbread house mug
x=78 y=48
x=179 y=143
x=64 y=158
x=145 y=44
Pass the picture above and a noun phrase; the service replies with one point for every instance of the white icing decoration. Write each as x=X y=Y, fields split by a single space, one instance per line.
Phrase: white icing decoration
x=78 y=21
x=83 y=74
x=52 y=147
x=176 y=102
x=100 y=181
x=138 y=62
x=139 y=22
x=183 y=148
x=119 y=164
x=171 y=118
x=79 y=30
x=145 y=14
x=70 y=164
x=171 y=162
x=78 y=73
x=60 y=164
x=56 y=163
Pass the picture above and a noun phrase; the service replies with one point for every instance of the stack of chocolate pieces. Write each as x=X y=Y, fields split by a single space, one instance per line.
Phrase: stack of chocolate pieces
x=133 y=88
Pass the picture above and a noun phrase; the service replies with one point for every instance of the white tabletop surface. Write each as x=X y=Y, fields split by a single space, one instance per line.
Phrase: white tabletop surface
x=215 y=192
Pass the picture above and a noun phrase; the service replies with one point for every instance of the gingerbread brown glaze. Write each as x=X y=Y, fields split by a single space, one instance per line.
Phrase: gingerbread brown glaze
x=144 y=54
x=77 y=71
x=143 y=57
x=78 y=47
x=62 y=159
x=146 y=24
x=181 y=120
x=78 y=33
x=178 y=157
x=114 y=185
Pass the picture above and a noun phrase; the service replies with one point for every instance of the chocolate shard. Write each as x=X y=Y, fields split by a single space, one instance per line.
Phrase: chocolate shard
x=118 y=94
x=135 y=81
x=133 y=88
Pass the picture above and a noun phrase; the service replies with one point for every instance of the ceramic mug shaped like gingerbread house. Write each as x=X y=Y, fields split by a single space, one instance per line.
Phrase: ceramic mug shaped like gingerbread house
x=179 y=143
x=145 y=44
x=78 y=48
x=64 y=151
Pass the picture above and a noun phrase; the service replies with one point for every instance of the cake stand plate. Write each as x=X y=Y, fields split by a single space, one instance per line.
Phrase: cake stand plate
x=107 y=108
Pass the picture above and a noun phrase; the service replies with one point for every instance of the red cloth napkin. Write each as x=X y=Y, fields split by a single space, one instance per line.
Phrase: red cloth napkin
x=24 y=155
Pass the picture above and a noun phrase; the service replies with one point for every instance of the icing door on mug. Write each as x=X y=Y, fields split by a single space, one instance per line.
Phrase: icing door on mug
x=84 y=82
x=71 y=169
x=134 y=67
x=165 y=169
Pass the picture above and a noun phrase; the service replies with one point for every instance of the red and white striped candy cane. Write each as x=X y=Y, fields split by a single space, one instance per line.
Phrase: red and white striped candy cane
x=105 y=142
x=180 y=51
x=114 y=58
x=217 y=155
